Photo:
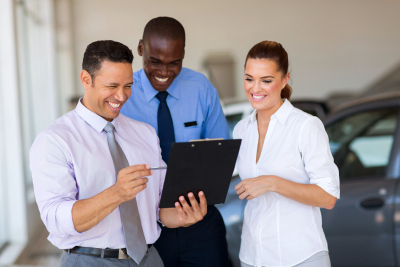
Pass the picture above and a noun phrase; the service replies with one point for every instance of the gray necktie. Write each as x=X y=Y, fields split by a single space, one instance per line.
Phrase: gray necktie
x=136 y=245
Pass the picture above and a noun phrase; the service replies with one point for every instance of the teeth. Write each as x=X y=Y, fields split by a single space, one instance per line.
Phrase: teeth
x=259 y=97
x=161 y=79
x=114 y=105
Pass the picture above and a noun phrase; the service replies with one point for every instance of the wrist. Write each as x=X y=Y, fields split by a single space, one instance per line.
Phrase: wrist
x=115 y=197
x=275 y=183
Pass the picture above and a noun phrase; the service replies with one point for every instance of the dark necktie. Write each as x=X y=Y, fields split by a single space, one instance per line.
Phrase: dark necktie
x=136 y=245
x=165 y=126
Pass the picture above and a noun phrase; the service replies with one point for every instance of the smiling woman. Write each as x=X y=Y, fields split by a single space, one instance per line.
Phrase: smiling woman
x=287 y=169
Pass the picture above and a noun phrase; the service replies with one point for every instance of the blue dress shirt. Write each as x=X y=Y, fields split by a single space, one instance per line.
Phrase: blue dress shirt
x=192 y=98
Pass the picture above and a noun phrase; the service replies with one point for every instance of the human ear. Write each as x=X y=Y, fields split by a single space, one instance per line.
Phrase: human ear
x=86 y=79
x=286 y=79
x=140 y=48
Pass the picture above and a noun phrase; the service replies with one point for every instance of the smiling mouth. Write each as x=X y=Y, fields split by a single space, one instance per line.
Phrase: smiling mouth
x=114 y=105
x=163 y=80
x=258 y=97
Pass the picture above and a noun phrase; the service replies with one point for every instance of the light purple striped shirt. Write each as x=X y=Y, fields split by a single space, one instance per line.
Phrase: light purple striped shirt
x=71 y=161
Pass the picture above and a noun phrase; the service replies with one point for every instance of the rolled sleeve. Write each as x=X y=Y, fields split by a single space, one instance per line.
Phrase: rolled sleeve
x=54 y=184
x=317 y=156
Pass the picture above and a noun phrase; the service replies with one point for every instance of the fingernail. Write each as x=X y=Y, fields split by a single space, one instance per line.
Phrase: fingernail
x=190 y=194
x=201 y=193
x=147 y=166
x=181 y=198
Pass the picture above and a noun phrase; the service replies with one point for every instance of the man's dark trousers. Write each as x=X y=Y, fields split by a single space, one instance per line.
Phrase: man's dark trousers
x=202 y=244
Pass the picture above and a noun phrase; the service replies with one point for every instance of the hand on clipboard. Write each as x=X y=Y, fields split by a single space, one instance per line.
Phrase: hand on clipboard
x=190 y=214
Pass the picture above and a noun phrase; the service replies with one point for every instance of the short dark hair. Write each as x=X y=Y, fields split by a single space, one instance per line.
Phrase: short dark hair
x=106 y=50
x=273 y=51
x=164 y=27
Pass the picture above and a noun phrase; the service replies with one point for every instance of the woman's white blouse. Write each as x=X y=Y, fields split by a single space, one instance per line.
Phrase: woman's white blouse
x=278 y=231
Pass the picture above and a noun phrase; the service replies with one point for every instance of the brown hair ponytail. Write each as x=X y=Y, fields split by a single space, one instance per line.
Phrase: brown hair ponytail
x=273 y=51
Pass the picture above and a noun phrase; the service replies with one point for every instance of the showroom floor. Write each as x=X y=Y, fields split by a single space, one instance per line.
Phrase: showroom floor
x=42 y=253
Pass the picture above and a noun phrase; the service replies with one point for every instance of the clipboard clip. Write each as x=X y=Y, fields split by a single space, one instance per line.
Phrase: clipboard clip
x=207 y=139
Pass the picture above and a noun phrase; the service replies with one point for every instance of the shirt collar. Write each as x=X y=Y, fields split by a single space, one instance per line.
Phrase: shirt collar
x=94 y=120
x=281 y=114
x=150 y=92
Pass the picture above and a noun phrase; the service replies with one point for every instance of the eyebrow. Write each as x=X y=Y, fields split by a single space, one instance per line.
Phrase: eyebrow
x=176 y=61
x=117 y=84
x=261 y=77
x=156 y=59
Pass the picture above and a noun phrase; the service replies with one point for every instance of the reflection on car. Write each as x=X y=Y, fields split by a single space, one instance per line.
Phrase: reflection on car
x=364 y=227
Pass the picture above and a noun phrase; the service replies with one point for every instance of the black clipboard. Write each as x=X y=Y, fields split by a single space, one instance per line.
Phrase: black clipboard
x=200 y=166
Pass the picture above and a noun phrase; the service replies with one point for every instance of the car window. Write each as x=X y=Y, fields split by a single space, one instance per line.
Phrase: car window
x=361 y=144
x=232 y=120
x=316 y=109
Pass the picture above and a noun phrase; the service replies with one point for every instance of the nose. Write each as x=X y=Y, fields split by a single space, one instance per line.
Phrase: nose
x=164 y=70
x=257 y=87
x=120 y=94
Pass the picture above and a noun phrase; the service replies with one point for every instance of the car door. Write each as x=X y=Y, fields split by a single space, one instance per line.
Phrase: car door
x=359 y=228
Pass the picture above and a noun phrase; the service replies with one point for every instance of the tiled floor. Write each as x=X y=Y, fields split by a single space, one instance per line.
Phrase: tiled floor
x=42 y=253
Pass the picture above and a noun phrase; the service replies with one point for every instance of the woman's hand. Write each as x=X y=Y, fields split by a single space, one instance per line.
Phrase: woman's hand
x=254 y=187
x=308 y=194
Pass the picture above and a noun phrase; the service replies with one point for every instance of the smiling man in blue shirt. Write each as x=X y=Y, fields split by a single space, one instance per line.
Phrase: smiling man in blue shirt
x=181 y=105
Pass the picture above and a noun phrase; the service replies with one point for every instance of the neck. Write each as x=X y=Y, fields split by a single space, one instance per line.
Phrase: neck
x=264 y=115
x=87 y=105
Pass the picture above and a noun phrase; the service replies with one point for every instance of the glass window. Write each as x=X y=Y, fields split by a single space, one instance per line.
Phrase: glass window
x=232 y=120
x=361 y=144
x=36 y=57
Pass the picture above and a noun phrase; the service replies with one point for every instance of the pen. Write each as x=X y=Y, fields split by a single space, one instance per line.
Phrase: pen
x=158 y=168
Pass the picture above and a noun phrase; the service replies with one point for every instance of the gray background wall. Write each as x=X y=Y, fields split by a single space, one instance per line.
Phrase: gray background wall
x=333 y=46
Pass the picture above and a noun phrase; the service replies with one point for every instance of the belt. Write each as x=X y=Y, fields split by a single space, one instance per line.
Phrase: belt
x=120 y=254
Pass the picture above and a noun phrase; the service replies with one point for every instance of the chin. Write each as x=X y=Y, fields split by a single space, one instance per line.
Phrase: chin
x=110 y=115
x=161 y=88
x=260 y=105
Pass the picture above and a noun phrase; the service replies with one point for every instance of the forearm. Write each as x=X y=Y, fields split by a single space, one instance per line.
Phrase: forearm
x=169 y=217
x=308 y=194
x=87 y=213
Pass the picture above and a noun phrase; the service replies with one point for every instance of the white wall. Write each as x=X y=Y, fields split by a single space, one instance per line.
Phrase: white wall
x=332 y=45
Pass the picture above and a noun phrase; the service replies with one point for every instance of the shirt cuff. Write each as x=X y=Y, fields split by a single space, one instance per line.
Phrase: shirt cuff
x=158 y=217
x=64 y=217
x=331 y=189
